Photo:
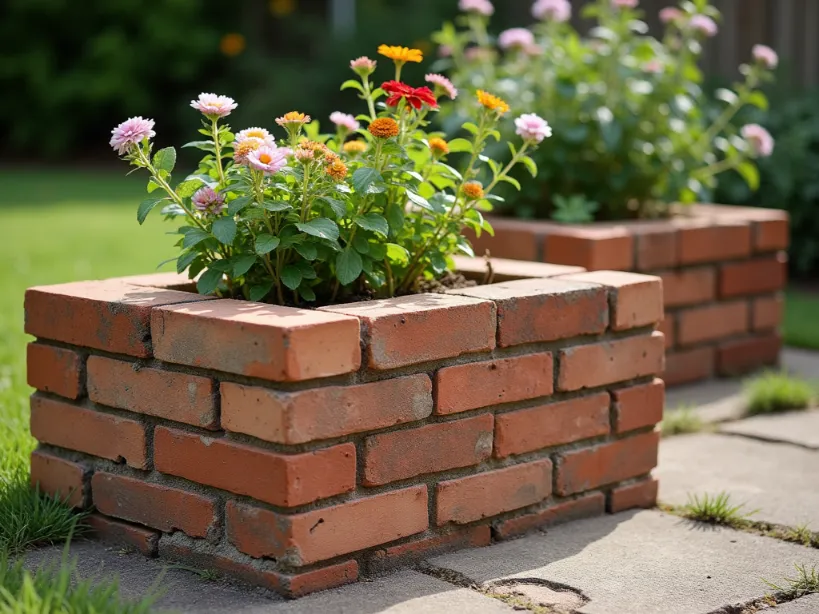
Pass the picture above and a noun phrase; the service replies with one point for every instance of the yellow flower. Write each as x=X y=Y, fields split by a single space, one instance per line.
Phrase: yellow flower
x=473 y=190
x=243 y=149
x=337 y=170
x=294 y=117
x=401 y=54
x=438 y=146
x=493 y=103
x=355 y=147
x=384 y=128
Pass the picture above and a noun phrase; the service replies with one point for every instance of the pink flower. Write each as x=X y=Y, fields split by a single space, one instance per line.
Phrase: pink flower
x=214 y=106
x=208 y=200
x=256 y=133
x=759 y=139
x=552 y=10
x=363 y=66
x=268 y=159
x=482 y=7
x=442 y=85
x=534 y=50
x=131 y=132
x=670 y=14
x=766 y=56
x=343 y=120
x=532 y=127
x=444 y=51
x=654 y=66
x=625 y=4
x=704 y=25
x=518 y=38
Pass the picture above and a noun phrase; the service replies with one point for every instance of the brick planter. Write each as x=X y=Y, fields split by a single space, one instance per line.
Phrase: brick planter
x=300 y=449
x=723 y=269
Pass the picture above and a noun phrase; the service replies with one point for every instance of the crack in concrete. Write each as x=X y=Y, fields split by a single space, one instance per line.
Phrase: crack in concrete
x=765 y=439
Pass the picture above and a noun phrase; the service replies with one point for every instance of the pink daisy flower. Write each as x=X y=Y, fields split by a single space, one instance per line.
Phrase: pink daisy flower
x=343 y=120
x=442 y=85
x=207 y=200
x=531 y=127
x=363 y=66
x=670 y=14
x=625 y=4
x=759 y=139
x=256 y=133
x=268 y=159
x=654 y=66
x=131 y=132
x=214 y=106
x=481 y=7
x=516 y=38
x=704 y=25
x=552 y=10
x=765 y=56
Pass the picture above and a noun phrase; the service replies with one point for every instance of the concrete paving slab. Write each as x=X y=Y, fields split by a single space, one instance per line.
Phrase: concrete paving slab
x=406 y=592
x=647 y=562
x=801 y=362
x=779 y=480
x=805 y=605
x=799 y=428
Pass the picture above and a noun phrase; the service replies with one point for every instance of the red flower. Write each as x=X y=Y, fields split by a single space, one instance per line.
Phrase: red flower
x=416 y=96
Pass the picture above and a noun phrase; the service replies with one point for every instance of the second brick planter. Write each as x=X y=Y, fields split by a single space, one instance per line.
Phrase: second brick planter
x=300 y=449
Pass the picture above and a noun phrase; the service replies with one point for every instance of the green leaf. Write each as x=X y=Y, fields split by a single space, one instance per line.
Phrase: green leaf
x=419 y=200
x=308 y=251
x=352 y=83
x=224 y=229
x=364 y=177
x=530 y=165
x=361 y=244
x=276 y=205
x=320 y=227
x=236 y=205
x=470 y=127
x=392 y=148
x=307 y=294
x=165 y=159
x=266 y=243
x=184 y=261
x=152 y=186
x=194 y=237
x=512 y=181
x=397 y=253
x=188 y=188
x=339 y=207
x=374 y=222
x=291 y=276
x=257 y=293
x=209 y=281
x=377 y=251
x=759 y=100
x=460 y=145
x=348 y=266
x=438 y=262
x=147 y=205
x=307 y=270
x=750 y=173
x=395 y=217
x=242 y=264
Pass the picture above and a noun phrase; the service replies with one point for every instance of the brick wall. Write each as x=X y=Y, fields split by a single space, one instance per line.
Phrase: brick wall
x=300 y=449
x=723 y=270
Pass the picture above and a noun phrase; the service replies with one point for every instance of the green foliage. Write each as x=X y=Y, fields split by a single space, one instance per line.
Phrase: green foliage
x=630 y=124
x=777 y=392
x=573 y=209
x=716 y=509
x=806 y=582
x=318 y=222
x=680 y=422
x=800 y=327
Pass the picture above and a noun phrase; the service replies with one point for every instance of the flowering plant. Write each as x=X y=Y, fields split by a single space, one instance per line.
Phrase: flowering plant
x=632 y=131
x=366 y=211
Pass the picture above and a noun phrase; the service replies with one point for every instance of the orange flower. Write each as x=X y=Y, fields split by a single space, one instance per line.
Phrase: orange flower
x=337 y=170
x=438 y=146
x=401 y=54
x=384 y=128
x=232 y=44
x=473 y=190
x=294 y=117
x=492 y=102
x=355 y=147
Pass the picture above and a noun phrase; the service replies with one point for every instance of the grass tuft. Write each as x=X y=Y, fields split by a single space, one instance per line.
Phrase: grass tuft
x=716 y=509
x=802 y=534
x=680 y=422
x=776 y=392
x=806 y=582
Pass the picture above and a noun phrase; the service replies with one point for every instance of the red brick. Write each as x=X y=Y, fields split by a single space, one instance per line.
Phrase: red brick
x=54 y=370
x=479 y=384
x=745 y=355
x=689 y=287
x=76 y=428
x=391 y=557
x=154 y=505
x=399 y=455
x=594 y=249
x=168 y=280
x=465 y=500
x=504 y=269
x=258 y=574
x=413 y=329
x=536 y=310
x=767 y=312
x=753 y=276
x=712 y=322
x=533 y=429
x=712 y=241
x=640 y=495
x=581 y=470
x=257 y=340
x=639 y=406
x=637 y=300
x=586 y=506
x=682 y=367
x=175 y=396
x=772 y=235
x=321 y=534
x=121 y=533
x=287 y=480
x=657 y=245
x=514 y=239
x=324 y=413
x=668 y=327
x=58 y=478
x=110 y=316
x=599 y=364
x=769 y=227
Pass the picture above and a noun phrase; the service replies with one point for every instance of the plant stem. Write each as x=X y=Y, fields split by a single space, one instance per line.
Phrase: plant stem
x=368 y=95
x=218 y=152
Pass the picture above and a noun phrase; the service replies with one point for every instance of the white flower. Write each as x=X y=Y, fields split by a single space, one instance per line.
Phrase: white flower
x=532 y=128
x=552 y=10
x=214 y=106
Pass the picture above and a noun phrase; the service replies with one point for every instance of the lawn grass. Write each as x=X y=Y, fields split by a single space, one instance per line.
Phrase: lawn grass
x=801 y=327
x=57 y=226
x=774 y=392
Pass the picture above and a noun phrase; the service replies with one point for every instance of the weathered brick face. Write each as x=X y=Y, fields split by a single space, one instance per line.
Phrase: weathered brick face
x=722 y=268
x=298 y=449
